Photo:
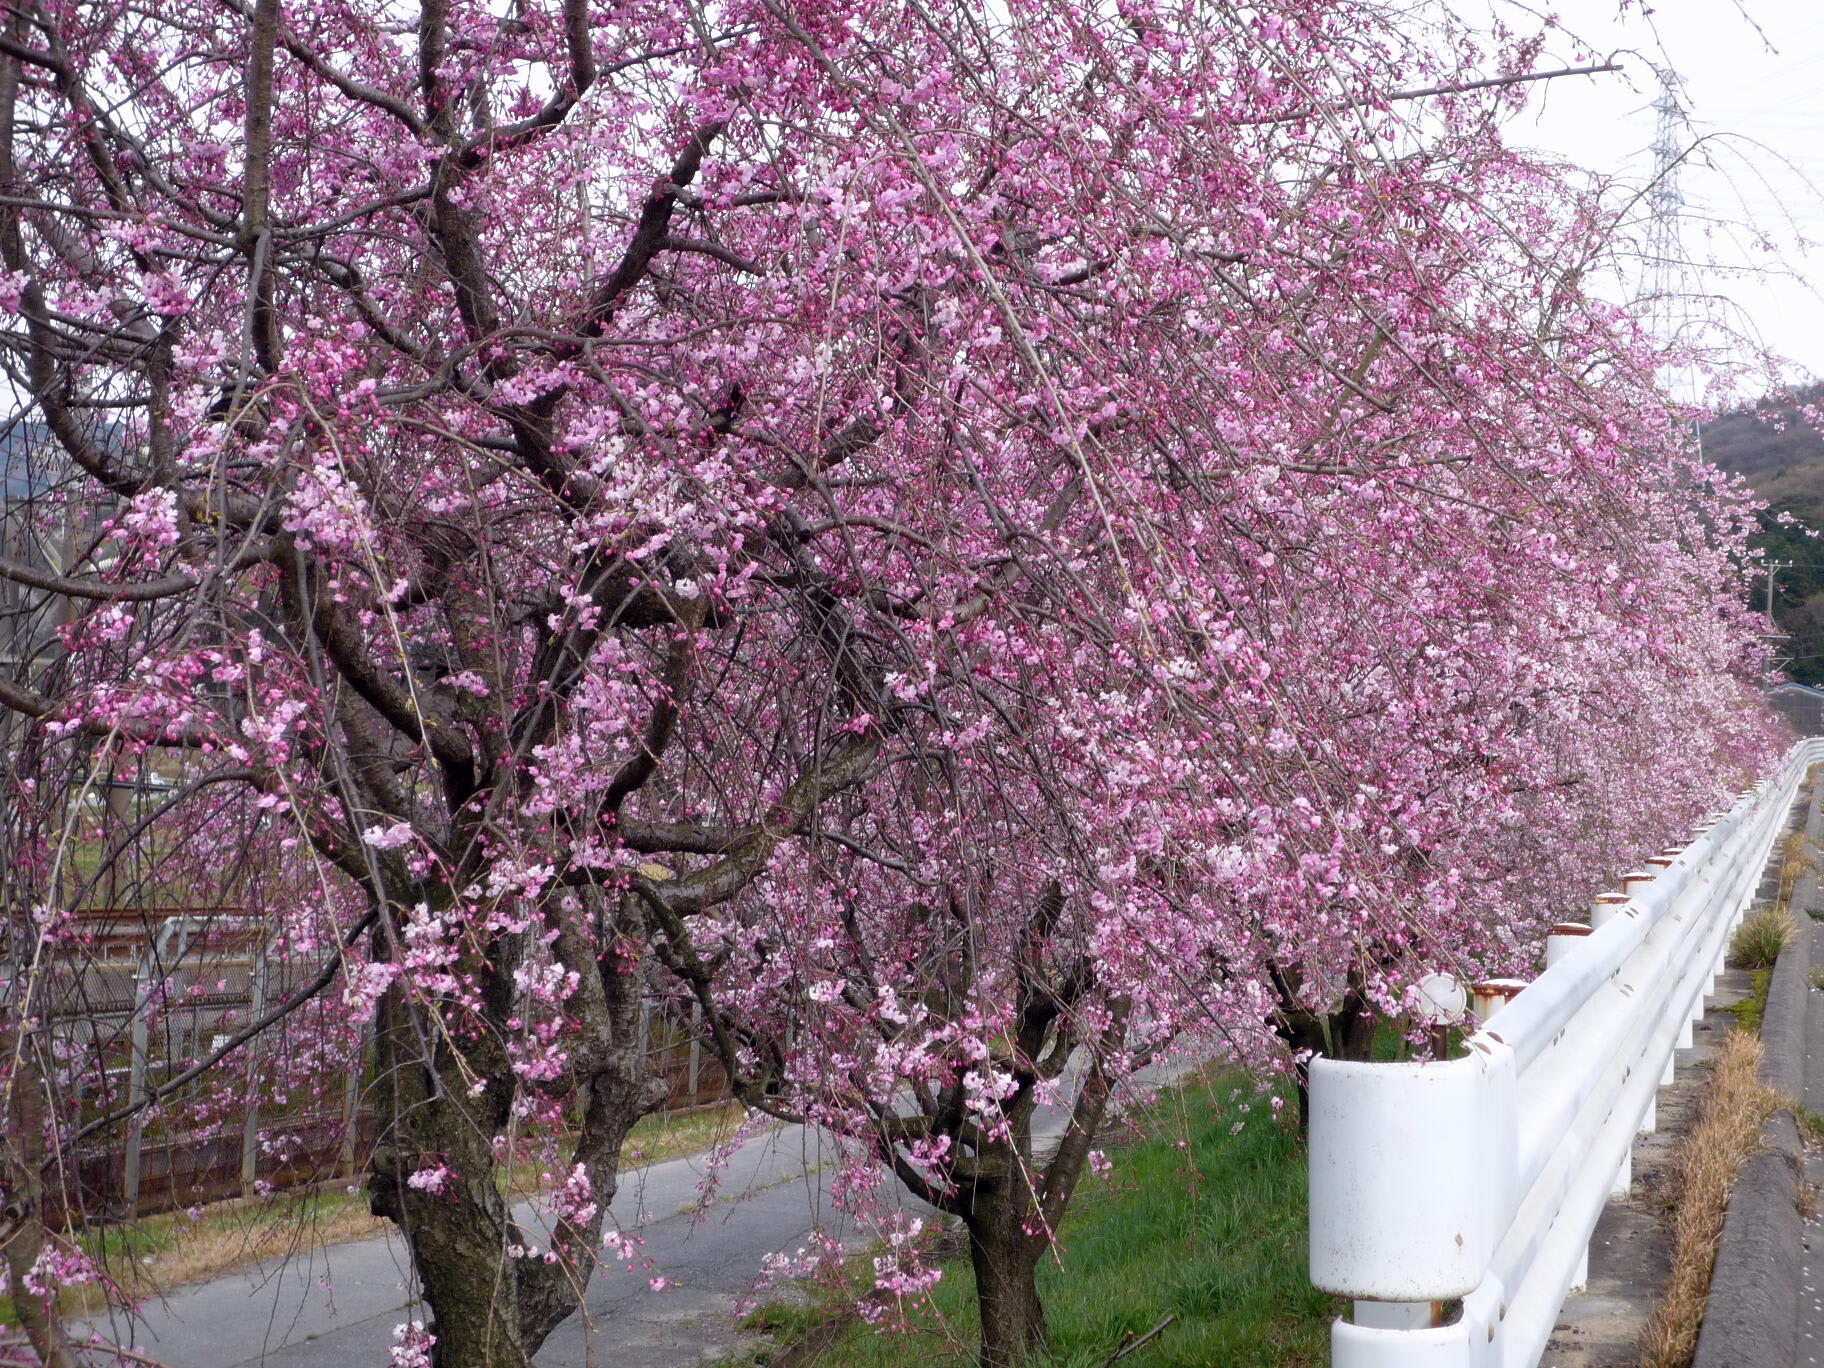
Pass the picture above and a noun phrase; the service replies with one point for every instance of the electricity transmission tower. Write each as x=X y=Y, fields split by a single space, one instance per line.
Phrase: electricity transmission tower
x=1665 y=284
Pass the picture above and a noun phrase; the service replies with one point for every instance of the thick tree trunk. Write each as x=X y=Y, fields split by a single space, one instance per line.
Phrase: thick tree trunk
x=492 y=1307
x=1347 y=1033
x=1007 y=1238
x=1006 y=1262
x=22 y=1230
x=471 y=1284
x=458 y=1232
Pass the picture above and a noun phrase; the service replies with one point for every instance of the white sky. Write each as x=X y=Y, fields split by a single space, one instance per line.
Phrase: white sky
x=1753 y=73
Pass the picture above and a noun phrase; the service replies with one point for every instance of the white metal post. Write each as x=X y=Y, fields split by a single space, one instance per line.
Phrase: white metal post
x=1605 y=907
x=1624 y=1176
x=1562 y=940
x=1389 y=1315
x=1482 y=1178
x=256 y=1008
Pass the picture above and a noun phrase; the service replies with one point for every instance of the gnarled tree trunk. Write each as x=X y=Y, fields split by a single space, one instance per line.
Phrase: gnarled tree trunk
x=1006 y=1261
x=1346 y=1033
x=22 y=1231
x=493 y=1299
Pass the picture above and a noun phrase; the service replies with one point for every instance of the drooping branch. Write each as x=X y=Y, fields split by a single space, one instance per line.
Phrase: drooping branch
x=1425 y=93
x=649 y=233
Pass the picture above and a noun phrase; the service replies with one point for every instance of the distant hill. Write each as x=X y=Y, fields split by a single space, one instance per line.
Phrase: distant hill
x=1784 y=460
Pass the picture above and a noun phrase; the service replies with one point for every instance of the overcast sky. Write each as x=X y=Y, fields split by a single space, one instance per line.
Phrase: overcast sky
x=1753 y=88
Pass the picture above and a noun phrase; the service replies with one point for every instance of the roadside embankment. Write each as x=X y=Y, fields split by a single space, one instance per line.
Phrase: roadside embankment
x=1755 y=1313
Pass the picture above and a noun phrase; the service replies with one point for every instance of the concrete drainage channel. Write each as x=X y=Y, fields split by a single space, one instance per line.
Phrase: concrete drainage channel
x=1764 y=1310
x=1601 y=1326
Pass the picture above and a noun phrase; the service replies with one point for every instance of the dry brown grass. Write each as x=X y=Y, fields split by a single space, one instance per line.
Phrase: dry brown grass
x=222 y=1244
x=158 y=1253
x=1796 y=859
x=1736 y=1104
x=675 y=1134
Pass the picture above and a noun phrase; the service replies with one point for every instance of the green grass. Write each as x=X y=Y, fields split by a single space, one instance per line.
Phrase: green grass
x=1213 y=1234
x=1749 y=1010
x=1761 y=937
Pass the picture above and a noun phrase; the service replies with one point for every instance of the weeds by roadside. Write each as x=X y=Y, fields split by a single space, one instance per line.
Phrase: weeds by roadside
x=1797 y=858
x=1735 y=1106
x=1750 y=1009
x=1761 y=937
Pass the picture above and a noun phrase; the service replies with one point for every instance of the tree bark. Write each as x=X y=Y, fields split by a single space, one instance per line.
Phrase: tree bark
x=491 y=1307
x=999 y=1206
x=459 y=1236
x=1347 y=1033
x=1006 y=1262
x=22 y=1228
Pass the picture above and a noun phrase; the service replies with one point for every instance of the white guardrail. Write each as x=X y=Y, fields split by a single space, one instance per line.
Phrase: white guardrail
x=1481 y=1178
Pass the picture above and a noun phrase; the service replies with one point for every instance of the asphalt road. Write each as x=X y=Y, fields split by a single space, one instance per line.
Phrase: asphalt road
x=339 y=1307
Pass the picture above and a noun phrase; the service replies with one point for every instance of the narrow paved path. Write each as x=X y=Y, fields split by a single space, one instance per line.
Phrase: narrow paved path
x=1811 y=1254
x=338 y=1307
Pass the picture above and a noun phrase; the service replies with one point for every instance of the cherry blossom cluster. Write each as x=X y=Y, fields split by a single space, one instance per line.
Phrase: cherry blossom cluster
x=958 y=551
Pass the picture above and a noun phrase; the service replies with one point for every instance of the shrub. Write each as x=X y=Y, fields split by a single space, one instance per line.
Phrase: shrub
x=1760 y=938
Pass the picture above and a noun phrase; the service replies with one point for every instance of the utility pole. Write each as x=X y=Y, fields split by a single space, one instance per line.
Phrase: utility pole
x=1773 y=568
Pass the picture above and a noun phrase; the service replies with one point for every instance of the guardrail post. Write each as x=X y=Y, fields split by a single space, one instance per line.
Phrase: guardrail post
x=1391 y=1315
x=1635 y=881
x=1413 y=1169
x=1562 y=939
x=1605 y=907
x=1491 y=995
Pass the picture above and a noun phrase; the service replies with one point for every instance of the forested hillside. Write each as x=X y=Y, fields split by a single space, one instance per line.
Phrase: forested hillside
x=1782 y=455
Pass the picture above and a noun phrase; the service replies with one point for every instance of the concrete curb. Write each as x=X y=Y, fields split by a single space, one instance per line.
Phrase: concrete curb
x=1783 y=1021
x=1752 y=1313
x=1751 y=1318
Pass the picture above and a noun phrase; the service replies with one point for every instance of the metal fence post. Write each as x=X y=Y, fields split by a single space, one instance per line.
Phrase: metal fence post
x=696 y=1046
x=1624 y=1176
x=1563 y=939
x=1605 y=907
x=136 y=1077
x=250 y=1130
x=351 y=1100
